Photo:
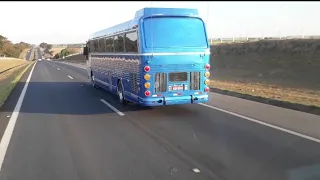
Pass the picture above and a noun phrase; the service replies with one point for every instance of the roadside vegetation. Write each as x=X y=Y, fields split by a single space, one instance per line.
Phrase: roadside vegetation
x=8 y=49
x=67 y=51
x=11 y=69
x=286 y=70
x=58 y=52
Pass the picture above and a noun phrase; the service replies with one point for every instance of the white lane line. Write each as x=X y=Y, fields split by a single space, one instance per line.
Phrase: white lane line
x=111 y=107
x=12 y=121
x=265 y=124
x=196 y=170
x=70 y=64
x=58 y=69
x=70 y=77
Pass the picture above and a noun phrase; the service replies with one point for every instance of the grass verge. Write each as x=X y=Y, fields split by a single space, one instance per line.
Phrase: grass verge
x=32 y=56
x=7 y=84
x=10 y=63
x=297 y=99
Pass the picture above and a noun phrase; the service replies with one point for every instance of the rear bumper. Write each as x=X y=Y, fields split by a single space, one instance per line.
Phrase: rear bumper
x=162 y=101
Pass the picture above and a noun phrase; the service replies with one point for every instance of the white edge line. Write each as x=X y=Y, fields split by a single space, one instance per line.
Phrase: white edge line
x=111 y=107
x=11 y=124
x=196 y=170
x=70 y=77
x=263 y=123
x=70 y=64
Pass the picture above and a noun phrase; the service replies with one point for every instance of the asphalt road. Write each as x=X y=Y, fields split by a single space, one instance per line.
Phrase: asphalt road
x=66 y=130
x=38 y=53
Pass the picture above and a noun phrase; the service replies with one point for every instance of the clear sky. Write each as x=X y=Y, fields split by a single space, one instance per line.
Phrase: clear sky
x=73 y=22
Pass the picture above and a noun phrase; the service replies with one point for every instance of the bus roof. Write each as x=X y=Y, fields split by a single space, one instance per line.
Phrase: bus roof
x=142 y=13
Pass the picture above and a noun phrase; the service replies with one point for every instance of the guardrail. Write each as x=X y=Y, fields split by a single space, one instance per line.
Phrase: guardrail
x=71 y=55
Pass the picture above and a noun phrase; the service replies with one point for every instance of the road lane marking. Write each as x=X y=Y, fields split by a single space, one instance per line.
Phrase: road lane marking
x=12 y=121
x=58 y=69
x=70 y=77
x=111 y=107
x=196 y=170
x=263 y=123
x=73 y=65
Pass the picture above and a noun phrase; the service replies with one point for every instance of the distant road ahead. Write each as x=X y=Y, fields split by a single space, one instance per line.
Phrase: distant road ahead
x=28 y=55
x=68 y=130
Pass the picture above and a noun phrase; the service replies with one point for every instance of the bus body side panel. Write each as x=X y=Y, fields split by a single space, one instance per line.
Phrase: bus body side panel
x=109 y=68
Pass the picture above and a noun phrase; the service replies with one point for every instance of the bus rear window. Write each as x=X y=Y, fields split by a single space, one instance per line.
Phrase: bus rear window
x=172 y=32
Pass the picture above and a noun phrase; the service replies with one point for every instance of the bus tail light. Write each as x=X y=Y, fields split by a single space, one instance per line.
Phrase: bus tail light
x=147 y=93
x=147 y=68
x=206 y=89
x=147 y=77
x=207 y=74
x=206 y=82
x=207 y=66
x=147 y=85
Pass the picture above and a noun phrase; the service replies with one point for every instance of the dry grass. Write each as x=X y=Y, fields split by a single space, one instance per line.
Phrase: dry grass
x=24 y=53
x=299 y=96
x=55 y=50
x=32 y=56
x=9 y=79
x=9 y=63
x=75 y=50
x=283 y=71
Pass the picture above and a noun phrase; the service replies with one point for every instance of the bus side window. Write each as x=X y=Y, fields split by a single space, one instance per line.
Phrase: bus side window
x=109 y=44
x=91 y=46
x=118 y=43
x=131 y=42
x=102 y=45
x=95 y=45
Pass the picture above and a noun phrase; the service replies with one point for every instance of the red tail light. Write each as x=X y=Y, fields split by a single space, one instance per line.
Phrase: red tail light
x=207 y=66
x=206 y=89
x=147 y=93
x=147 y=68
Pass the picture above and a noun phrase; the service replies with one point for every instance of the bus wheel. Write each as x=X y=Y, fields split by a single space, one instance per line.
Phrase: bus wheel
x=120 y=93
x=94 y=82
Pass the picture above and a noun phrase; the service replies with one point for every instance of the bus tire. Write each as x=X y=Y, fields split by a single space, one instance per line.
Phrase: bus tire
x=120 y=93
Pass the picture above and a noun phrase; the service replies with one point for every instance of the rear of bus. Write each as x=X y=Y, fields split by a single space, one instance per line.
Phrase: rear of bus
x=175 y=61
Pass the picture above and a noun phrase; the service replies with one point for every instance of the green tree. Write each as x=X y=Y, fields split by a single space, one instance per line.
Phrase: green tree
x=64 y=52
x=12 y=50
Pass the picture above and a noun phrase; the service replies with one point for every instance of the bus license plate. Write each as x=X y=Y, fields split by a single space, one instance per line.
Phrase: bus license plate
x=177 y=88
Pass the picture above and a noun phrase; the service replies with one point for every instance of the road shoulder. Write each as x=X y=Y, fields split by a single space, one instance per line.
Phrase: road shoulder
x=9 y=105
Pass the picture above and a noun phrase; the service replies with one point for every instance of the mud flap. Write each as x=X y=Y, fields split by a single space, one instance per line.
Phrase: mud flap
x=164 y=101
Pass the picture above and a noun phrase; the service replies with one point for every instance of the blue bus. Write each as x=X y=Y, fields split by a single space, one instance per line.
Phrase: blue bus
x=160 y=57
